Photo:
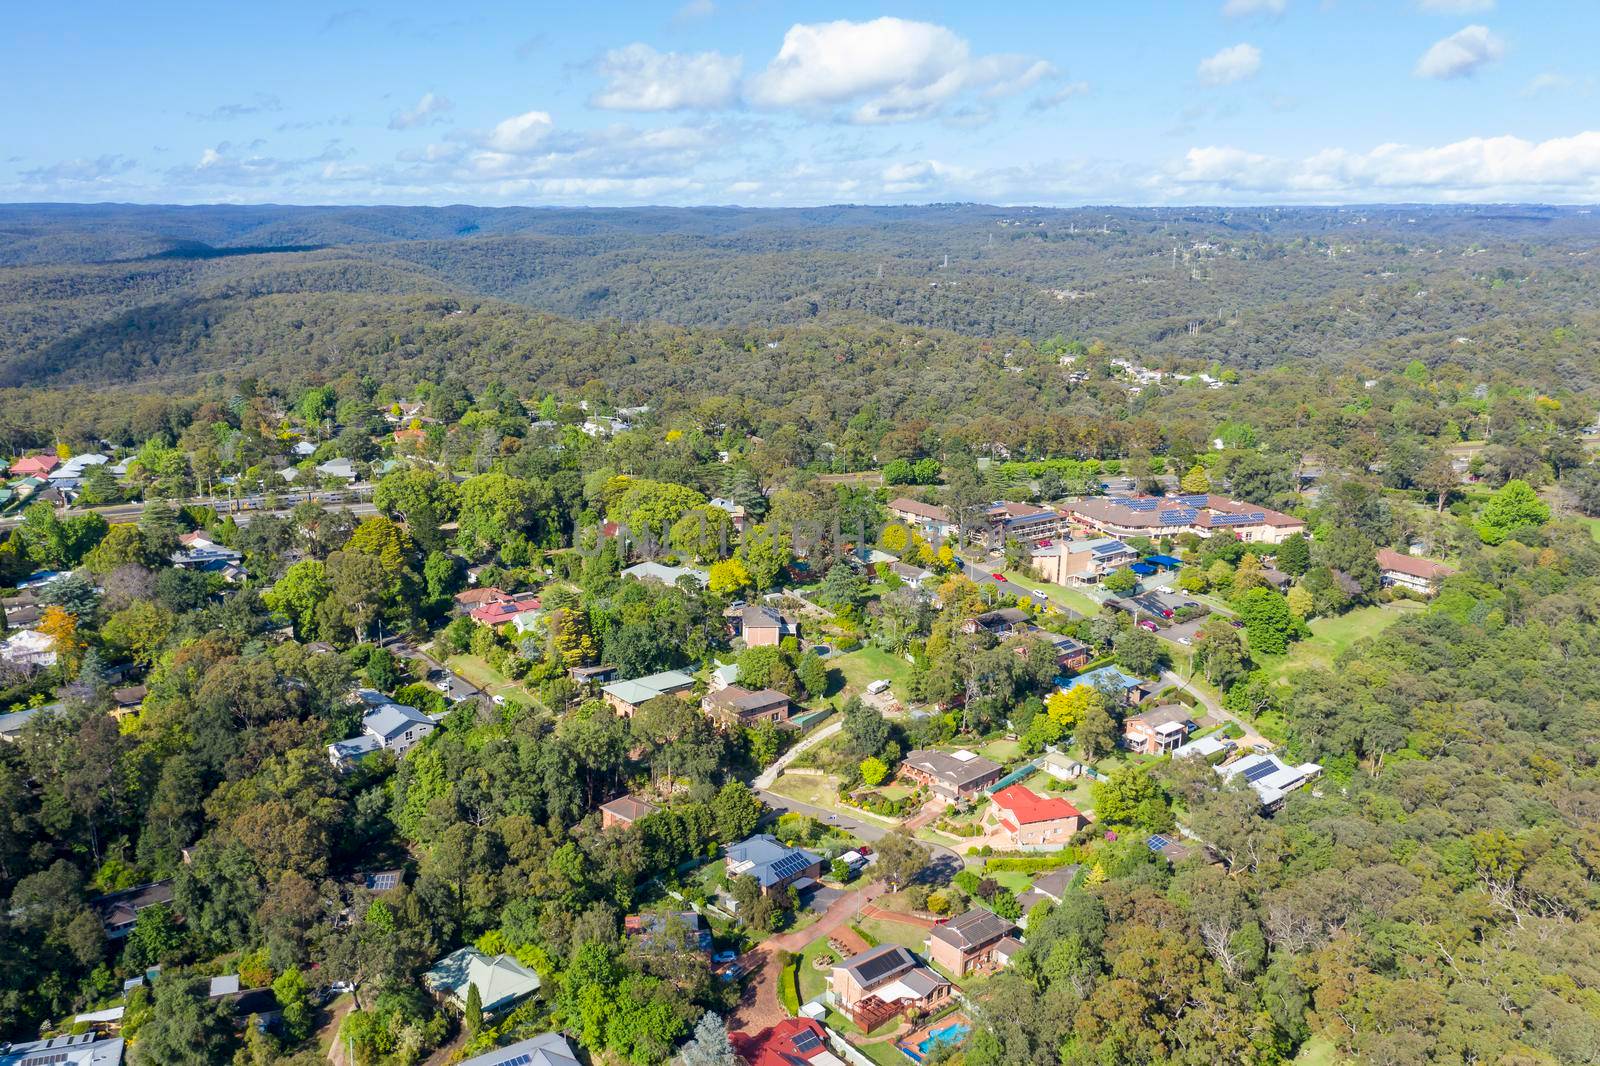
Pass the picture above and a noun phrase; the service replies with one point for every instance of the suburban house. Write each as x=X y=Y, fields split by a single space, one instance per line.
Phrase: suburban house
x=952 y=775
x=884 y=982
x=548 y=1049
x=1076 y=563
x=501 y=979
x=1110 y=679
x=1205 y=747
x=1028 y=821
x=735 y=511
x=1158 y=730
x=38 y=466
x=337 y=470
x=69 y=473
x=210 y=560
x=915 y=576
x=966 y=944
x=775 y=866
x=624 y=811
x=1048 y=888
x=1070 y=654
x=626 y=697
x=29 y=647
x=80 y=1049
x=663 y=574
x=1203 y=514
x=761 y=626
x=1270 y=776
x=470 y=599
x=1001 y=623
x=926 y=516
x=735 y=705
x=387 y=725
x=518 y=610
x=1422 y=576
x=792 y=1042
x=117 y=910
x=592 y=675
x=678 y=931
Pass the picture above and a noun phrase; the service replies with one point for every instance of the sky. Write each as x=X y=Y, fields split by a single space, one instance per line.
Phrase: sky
x=761 y=103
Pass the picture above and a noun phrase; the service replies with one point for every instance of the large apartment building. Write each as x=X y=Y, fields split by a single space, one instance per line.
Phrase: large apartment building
x=1204 y=515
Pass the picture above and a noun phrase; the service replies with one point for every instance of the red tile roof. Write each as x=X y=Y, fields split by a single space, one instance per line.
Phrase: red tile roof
x=1427 y=569
x=1028 y=806
x=477 y=597
x=35 y=465
x=776 y=1046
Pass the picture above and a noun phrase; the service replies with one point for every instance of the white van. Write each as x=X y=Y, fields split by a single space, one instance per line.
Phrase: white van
x=877 y=687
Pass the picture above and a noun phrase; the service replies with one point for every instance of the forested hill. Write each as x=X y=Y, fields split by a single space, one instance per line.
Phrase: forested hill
x=1245 y=287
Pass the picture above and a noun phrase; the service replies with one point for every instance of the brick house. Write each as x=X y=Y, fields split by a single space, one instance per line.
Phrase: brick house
x=884 y=982
x=1422 y=576
x=736 y=705
x=1025 y=819
x=966 y=943
x=624 y=811
x=1158 y=730
x=952 y=775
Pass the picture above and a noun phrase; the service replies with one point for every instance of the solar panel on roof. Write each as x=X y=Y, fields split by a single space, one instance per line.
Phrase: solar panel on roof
x=874 y=970
x=516 y=1060
x=1197 y=500
x=1157 y=842
x=1260 y=770
x=805 y=1040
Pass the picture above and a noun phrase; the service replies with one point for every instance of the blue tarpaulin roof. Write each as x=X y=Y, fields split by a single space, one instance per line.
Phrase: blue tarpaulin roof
x=1144 y=569
x=1164 y=560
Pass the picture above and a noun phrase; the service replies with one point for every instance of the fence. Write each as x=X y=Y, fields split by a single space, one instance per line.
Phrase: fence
x=1022 y=773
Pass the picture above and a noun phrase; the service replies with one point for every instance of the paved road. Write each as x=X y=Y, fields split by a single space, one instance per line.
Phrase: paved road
x=982 y=575
x=945 y=865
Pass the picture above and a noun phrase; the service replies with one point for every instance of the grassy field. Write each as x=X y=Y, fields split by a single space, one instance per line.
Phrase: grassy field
x=478 y=672
x=850 y=674
x=1330 y=637
x=1318 y=1051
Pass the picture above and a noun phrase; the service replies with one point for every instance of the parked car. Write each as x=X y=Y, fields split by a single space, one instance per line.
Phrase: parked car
x=998 y=576
x=1145 y=623
x=1235 y=623
x=1040 y=594
x=1185 y=641
x=499 y=701
x=722 y=958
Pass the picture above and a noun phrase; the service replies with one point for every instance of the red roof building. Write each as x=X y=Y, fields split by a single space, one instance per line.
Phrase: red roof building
x=1021 y=816
x=792 y=1042
x=479 y=597
x=499 y=612
x=1422 y=576
x=35 y=466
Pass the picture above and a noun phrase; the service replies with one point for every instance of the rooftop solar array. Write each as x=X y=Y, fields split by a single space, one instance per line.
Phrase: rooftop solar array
x=1157 y=842
x=1264 y=768
x=1238 y=519
x=791 y=863
x=805 y=1040
x=516 y=1060
x=1179 y=517
x=875 y=969
x=1197 y=500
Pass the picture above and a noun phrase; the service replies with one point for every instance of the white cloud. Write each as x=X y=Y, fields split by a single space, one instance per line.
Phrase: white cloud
x=520 y=133
x=696 y=9
x=1454 y=7
x=1240 y=8
x=429 y=109
x=639 y=78
x=1232 y=64
x=1060 y=96
x=1563 y=168
x=1461 y=53
x=898 y=69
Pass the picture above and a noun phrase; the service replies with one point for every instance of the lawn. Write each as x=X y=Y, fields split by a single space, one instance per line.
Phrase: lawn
x=822 y=792
x=1002 y=751
x=886 y=932
x=480 y=673
x=1079 y=792
x=1075 y=599
x=812 y=980
x=860 y=668
x=1318 y=1051
x=1330 y=637
x=1017 y=881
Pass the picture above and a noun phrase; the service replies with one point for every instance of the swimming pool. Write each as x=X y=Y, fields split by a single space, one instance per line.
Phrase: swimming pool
x=946 y=1035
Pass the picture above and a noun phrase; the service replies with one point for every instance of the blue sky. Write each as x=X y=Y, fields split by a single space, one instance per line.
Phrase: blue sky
x=762 y=103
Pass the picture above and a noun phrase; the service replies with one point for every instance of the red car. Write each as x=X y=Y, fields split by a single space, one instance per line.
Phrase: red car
x=1145 y=623
x=998 y=577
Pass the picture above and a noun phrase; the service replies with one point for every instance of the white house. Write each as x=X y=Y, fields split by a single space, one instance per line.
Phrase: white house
x=29 y=647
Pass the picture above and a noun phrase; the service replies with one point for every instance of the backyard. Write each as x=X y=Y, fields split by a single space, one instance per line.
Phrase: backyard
x=858 y=669
x=1330 y=637
x=822 y=790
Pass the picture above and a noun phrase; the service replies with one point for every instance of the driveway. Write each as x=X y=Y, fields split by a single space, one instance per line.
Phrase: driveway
x=945 y=865
x=770 y=774
x=759 y=1006
x=1217 y=711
